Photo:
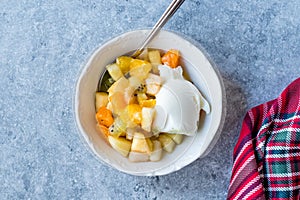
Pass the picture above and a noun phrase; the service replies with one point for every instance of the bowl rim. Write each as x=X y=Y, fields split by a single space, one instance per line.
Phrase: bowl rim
x=89 y=59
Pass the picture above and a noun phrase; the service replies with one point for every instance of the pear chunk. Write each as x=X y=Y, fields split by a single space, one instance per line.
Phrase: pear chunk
x=167 y=143
x=120 y=144
x=101 y=99
x=177 y=138
x=153 y=84
x=156 y=154
x=141 y=144
x=138 y=157
x=114 y=71
x=147 y=118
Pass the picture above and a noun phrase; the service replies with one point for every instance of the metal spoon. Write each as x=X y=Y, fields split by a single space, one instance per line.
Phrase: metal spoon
x=169 y=12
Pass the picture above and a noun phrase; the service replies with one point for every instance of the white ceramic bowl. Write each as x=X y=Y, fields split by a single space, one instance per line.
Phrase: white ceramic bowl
x=202 y=73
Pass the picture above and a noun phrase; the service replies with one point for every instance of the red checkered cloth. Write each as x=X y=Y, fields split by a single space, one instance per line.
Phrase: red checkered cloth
x=267 y=154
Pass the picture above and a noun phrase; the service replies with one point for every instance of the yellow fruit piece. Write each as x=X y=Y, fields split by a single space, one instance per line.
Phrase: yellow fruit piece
x=134 y=82
x=135 y=113
x=101 y=99
x=157 y=151
x=138 y=63
x=141 y=144
x=114 y=71
x=167 y=143
x=120 y=144
x=177 y=138
x=154 y=57
x=152 y=89
x=141 y=96
x=147 y=118
x=150 y=103
x=119 y=86
x=124 y=63
x=171 y=58
x=118 y=102
x=141 y=72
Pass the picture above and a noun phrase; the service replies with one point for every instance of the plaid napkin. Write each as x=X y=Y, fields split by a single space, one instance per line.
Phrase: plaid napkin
x=267 y=154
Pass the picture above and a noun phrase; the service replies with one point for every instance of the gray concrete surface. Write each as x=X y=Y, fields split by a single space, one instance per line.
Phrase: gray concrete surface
x=43 y=45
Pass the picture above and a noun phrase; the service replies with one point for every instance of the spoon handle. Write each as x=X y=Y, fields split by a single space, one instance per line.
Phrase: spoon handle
x=169 y=12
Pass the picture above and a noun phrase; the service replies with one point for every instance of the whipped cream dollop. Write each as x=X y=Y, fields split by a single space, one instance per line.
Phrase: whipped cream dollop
x=178 y=103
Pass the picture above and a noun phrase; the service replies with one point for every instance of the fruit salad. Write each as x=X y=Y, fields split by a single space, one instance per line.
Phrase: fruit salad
x=146 y=106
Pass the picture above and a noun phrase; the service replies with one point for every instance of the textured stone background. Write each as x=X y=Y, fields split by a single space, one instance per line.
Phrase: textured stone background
x=43 y=45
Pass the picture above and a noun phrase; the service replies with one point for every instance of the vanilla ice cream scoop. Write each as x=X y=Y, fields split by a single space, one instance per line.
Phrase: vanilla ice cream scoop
x=178 y=103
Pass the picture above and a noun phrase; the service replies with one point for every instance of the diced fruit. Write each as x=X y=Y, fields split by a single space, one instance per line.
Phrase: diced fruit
x=120 y=144
x=124 y=63
x=118 y=128
x=119 y=95
x=135 y=113
x=177 y=138
x=141 y=96
x=141 y=144
x=167 y=143
x=147 y=103
x=104 y=116
x=152 y=89
x=138 y=63
x=153 y=84
x=125 y=106
x=150 y=144
x=141 y=72
x=138 y=157
x=130 y=133
x=147 y=118
x=114 y=71
x=124 y=115
x=153 y=79
x=157 y=151
x=171 y=58
x=101 y=99
x=134 y=82
x=128 y=94
x=118 y=86
x=118 y=102
x=155 y=60
x=154 y=57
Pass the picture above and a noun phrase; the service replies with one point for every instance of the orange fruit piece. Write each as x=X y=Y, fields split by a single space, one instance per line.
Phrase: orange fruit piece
x=104 y=117
x=171 y=58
